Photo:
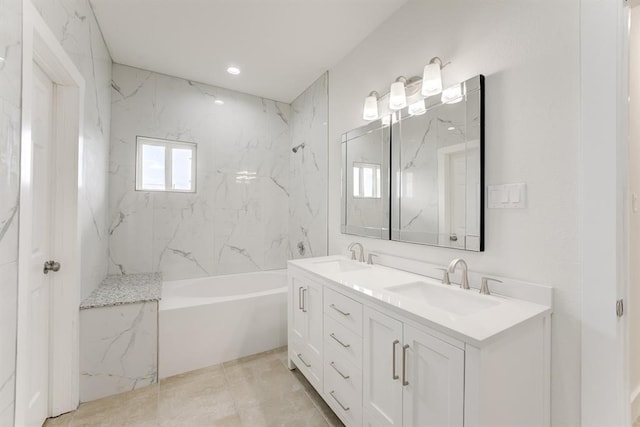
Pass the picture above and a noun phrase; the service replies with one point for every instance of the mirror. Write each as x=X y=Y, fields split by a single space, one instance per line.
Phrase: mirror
x=365 y=181
x=436 y=179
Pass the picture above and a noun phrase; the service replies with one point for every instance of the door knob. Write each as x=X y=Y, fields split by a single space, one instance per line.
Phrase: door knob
x=51 y=266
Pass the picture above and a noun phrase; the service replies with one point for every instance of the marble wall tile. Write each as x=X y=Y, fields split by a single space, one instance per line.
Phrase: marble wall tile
x=75 y=26
x=308 y=172
x=236 y=221
x=10 y=119
x=118 y=349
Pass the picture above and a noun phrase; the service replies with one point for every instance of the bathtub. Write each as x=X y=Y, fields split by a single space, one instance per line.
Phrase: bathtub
x=210 y=320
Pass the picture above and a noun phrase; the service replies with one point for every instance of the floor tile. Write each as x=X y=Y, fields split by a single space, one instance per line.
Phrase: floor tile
x=296 y=410
x=254 y=391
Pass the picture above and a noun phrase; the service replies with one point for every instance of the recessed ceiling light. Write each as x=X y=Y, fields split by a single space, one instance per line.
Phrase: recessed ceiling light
x=233 y=70
x=451 y=128
x=218 y=102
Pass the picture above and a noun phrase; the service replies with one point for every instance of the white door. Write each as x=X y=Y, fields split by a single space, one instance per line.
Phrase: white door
x=382 y=369
x=38 y=283
x=434 y=387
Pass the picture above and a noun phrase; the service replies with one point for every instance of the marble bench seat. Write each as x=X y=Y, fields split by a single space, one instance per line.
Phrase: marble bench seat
x=119 y=335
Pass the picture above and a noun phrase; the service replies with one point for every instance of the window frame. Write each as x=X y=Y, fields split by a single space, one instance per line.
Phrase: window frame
x=168 y=144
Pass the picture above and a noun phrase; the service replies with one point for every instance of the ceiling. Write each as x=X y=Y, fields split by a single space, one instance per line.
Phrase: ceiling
x=281 y=46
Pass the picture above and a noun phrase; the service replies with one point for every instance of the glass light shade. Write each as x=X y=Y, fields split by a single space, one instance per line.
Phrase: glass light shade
x=397 y=96
x=386 y=120
x=432 y=80
x=417 y=108
x=452 y=95
x=370 y=111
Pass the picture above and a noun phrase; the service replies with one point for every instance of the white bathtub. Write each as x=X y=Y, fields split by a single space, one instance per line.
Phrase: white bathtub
x=211 y=320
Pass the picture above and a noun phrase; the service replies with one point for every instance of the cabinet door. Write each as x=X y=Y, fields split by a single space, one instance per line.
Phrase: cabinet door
x=312 y=302
x=382 y=386
x=435 y=373
x=298 y=324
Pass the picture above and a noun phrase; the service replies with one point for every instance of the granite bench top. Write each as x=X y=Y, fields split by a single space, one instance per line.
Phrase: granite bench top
x=125 y=289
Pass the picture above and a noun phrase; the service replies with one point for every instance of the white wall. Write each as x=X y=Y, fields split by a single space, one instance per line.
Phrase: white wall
x=10 y=86
x=308 y=172
x=237 y=220
x=529 y=53
x=75 y=26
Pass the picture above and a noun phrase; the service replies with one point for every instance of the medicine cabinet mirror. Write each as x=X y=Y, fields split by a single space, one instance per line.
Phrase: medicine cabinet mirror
x=419 y=179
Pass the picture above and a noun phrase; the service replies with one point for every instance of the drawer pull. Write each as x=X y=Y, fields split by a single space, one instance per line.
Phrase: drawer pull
x=339 y=311
x=404 y=364
x=304 y=303
x=332 y=335
x=394 y=374
x=303 y=361
x=332 y=393
x=300 y=298
x=333 y=365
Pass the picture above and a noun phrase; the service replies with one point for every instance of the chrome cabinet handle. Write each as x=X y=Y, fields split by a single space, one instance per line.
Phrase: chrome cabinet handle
x=394 y=374
x=300 y=297
x=404 y=364
x=332 y=393
x=303 y=361
x=332 y=335
x=333 y=365
x=339 y=311
x=304 y=303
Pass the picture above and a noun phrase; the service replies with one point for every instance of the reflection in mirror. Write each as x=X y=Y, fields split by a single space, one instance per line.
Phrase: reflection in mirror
x=365 y=181
x=438 y=172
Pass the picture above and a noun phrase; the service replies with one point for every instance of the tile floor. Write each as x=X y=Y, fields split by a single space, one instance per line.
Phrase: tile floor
x=253 y=391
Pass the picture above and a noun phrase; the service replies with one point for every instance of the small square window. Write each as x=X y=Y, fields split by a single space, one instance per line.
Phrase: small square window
x=163 y=165
x=366 y=180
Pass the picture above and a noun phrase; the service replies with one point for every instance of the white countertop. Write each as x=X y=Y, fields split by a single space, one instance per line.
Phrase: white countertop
x=475 y=328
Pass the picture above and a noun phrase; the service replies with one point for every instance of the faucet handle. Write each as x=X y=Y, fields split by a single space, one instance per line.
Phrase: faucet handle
x=484 y=287
x=445 y=276
x=370 y=258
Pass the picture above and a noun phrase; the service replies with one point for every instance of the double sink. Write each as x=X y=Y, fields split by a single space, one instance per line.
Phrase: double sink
x=427 y=292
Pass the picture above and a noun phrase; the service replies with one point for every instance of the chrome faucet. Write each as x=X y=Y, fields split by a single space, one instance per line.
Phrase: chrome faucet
x=464 y=282
x=352 y=247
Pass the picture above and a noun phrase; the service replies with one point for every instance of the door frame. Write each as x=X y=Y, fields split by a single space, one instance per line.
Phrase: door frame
x=604 y=45
x=40 y=46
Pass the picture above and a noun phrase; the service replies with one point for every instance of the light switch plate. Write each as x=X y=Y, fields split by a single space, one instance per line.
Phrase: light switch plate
x=507 y=196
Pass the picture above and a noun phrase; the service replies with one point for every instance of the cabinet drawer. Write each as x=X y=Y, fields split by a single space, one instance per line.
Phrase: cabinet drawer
x=343 y=396
x=342 y=342
x=339 y=369
x=343 y=309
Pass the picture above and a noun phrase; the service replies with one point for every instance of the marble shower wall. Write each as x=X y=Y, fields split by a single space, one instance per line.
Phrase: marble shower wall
x=308 y=172
x=237 y=219
x=10 y=104
x=75 y=26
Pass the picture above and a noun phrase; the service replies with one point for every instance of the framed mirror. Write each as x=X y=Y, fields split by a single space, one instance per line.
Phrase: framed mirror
x=365 y=181
x=421 y=178
x=438 y=170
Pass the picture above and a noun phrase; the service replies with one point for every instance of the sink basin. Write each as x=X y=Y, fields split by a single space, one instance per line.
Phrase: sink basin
x=458 y=302
x=341 y=266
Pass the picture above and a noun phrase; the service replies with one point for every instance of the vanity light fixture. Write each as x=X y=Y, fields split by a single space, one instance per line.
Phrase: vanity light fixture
x=432 y=77
x=417 y=108
x=234 y=71
x=452 y=95
x=397 y=94
x=370 y=111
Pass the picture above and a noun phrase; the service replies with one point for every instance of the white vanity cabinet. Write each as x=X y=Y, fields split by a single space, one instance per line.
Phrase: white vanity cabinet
x=380 y=360
x=411 y=378
x=306 y=327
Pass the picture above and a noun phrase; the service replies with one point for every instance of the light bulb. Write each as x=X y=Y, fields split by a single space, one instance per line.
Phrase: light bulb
x=417 y=108
x=452 y=95
x=397 y=96
x=432 y=79
x=370 y=110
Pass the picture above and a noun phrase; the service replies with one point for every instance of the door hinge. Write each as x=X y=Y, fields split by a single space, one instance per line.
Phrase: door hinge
x=620 y=307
